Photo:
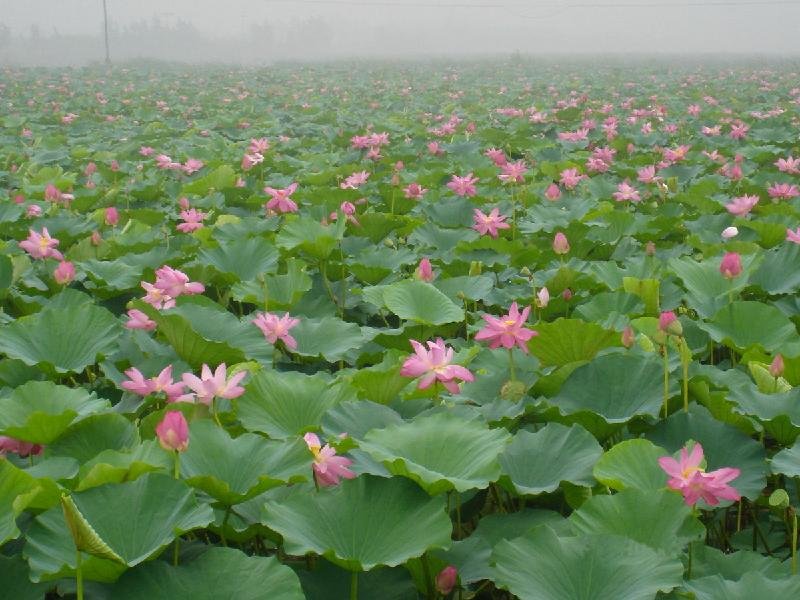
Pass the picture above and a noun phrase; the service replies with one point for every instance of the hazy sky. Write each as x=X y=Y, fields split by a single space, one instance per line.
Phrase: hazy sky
x=366 y=27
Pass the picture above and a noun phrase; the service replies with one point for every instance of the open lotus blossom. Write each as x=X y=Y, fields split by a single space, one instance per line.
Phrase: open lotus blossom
x=626 y=192
x=463 y=186
x=173 y=432
x=192 y=220
x=513 y=172
x=691 y=480
x=41 y=245
x=793 y=235
x=489 y=224
x=497 y=156
x=210 y=385
x=281 y=200
x=328 y=467
x=569 y=178
x=354 y=181
x=783 y=191
x=34 y=210
x=433 y=364
x=259 y=145
x=424 y=271
x=64 y=272
x=251 y=160
x=508 y=330
x=414 y=191
x=553 y=192
x=742 y=205
x=192 y=165
x=156 y=297
x=731 y=265
x=788 y=165
x=277 y=328
x=23 y=449
x=174 y=283
x=138 y=320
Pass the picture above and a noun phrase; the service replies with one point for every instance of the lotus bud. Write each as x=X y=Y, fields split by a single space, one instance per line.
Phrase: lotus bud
x=560 y=243
x=64 y=273
x=173 y=432
x=553 y=192
x=668 y=323
x=96 y=239
x=424 y=271
x=729 y=232
x=567 y=294
x=628 y=337
x=776 y=367
x=446 y=580
x=525 y=272
x=731 y=265
x=543 y=298
x=112 y=216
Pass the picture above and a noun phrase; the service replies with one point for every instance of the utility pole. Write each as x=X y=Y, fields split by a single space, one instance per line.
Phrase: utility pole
x=105 y=30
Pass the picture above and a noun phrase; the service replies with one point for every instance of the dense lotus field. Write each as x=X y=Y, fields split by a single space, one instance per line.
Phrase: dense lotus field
x=395 y=332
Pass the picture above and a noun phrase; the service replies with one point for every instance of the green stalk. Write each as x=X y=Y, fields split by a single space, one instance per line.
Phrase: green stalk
x=685 y=365
x=426 y=569
x=794 y=542
x=354 y=585
x=511 y=366
x=666 y=379
x=177 y=473
x=79 y=573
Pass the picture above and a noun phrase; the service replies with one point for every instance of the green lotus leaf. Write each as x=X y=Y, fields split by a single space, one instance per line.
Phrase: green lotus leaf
x=570 y=340
x=243 y=258
x=440 y=452
x=751 y=585
x=16 y=582
x=421 y=302
x=746 y=324
x=361 y=523
x=17 y=491
x=632 y=464
x=561 y=454
x=329 y=337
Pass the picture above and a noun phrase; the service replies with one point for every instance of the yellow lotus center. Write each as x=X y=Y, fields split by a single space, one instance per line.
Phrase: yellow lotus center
x=689 y=471
x=43 y=243
x=510 y=322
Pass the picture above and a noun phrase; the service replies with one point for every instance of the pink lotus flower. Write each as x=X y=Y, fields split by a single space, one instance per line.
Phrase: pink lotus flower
x=676 y=155
x=41 y=246
x=52 y=193
x=435 y=149
x=628 y=337
x=210 y=385
x=739 y=131
x=626 y=192
x=689 y=478
x=414 y=191
x=508 y=330
x=146 y=150
x=354 y=181
x=489 y=224
x=647 y=174
x=23 y=449
x=446 y=580
x=742 y=205
x=668 y=323
x=173 y=432
x=174 y=283
x=424 y=271
x=782 y=191
x=192 y=165
x=328 y=468
x=138 y=320
x=165 y=162
x=498 y=157
x=560 y=244
x=156 y=297
x=553 y=192
x=570 y=178
x=111 y=216
x=251 y=160
x=434 y=365
x=33 y=211
x=776 y=366
x=542 y=298
x=64 y=272
x=281 y=199
x=788 y=165
x=277 y=328
x=729 y=232
x=793 y=236
x=463 y=186
x=192 y=220
x=731 y=265
x=258 y=145
x=513 y=172
x=137 y=383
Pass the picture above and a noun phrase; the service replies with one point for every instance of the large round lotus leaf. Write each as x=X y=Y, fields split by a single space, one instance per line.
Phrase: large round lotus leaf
x=362 y=523
x=232 y=470
x=327 y=581
x=244 y=258
x=542 y=566
x=787 y=461
x=707 y=290
x=66 y=339
x=748 y=324
x=310 y=236
x=471 y=557
x=766 y=407
x=659 y=519
x=16 y=583
x=723 y=446
x=17 y=490
x=570 y=340
x=329 y=337
x=749 y=587
x=102 y=516
x=217 y=573
x=440 y=452
x=96 y=433
x=115 y=466
x=422 y=303
x=707 y=561
x=284 y=405
x=357 y=417
x=41 y=411
x=779 y=273
x=612 y=310
x=495 y=527
x=632 y=464
x=539 y=462
x=617 y=387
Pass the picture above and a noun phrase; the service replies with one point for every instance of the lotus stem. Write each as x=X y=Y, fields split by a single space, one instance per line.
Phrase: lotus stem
x=666 y=379
x=511 y=367
x=354 y=585
x=794 y=541
x=426 y=570
x=685 y=365
x=79 y=573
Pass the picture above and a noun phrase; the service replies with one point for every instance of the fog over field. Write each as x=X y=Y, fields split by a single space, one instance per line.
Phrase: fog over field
x=62 y=32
